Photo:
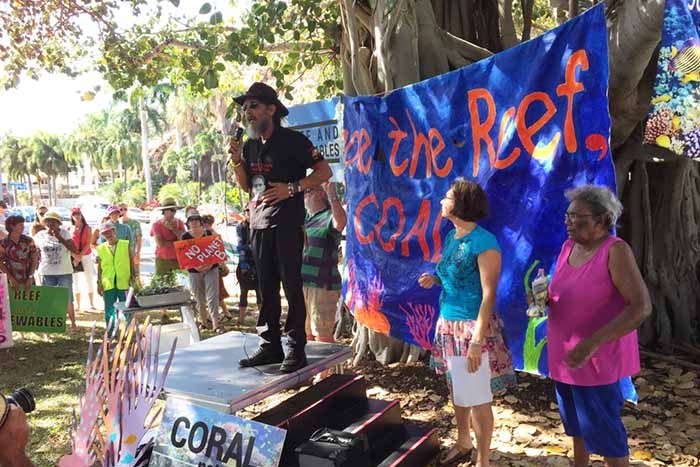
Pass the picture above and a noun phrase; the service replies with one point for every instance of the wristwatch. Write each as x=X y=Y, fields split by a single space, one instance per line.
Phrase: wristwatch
x=4 y=410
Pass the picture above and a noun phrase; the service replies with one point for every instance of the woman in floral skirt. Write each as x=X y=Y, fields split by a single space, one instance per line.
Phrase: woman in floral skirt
x=469 y=347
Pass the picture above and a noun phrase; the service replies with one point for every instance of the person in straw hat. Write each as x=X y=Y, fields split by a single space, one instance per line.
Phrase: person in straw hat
x=55 y=265
x=166 y=231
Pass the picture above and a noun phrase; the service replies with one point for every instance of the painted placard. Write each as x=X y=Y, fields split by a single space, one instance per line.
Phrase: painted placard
x=5 y=321
x=674 y=116
x=39 y=309
x=201 y=251
x=191 y=435
x=322 y=123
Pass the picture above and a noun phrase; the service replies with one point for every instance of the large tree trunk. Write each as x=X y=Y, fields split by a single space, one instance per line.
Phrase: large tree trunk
x=660 y=191
x=401 y=42
x=145 y=157
x=38 y=178
x=31 y=189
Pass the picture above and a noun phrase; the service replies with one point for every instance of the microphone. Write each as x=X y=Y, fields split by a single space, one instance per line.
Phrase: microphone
x=238 y=133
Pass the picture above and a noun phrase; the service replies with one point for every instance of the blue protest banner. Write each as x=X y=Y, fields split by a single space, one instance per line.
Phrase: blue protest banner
x=320 y=122
x=194 y=435
x=527 y=124
x=674 y=117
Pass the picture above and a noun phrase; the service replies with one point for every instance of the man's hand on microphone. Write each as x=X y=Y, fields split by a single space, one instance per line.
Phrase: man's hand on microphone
x=235 y=150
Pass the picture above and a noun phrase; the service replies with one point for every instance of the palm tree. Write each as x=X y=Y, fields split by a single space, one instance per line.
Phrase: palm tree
x=187 y=115
x=13 y=161
x=47 y=153
x=87 y=141
x=147 y=108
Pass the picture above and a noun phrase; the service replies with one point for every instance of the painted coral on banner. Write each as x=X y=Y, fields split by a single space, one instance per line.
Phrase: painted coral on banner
x=674 y=117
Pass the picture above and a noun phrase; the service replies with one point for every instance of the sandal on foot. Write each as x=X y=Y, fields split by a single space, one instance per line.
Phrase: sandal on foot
x=456 y=455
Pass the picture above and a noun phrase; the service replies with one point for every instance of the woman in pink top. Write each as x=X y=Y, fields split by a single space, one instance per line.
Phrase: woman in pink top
x=83 y=275
x=597 y=300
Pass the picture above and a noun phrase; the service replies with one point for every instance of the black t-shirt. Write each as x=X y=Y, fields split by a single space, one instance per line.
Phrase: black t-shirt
x=188 y=236
x=284 y=158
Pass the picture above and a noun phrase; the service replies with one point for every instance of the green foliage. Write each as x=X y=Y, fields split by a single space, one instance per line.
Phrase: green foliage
x=132 y=192
x=184 y=193
x=290 y=37
x=158 y=179
x=51 y=35
x=180 y=163
x=136 y=194
x=114 y=192
x=23 y=198
x=160 y=284
x=543 y=19
x=214 y=194
x=307 y=32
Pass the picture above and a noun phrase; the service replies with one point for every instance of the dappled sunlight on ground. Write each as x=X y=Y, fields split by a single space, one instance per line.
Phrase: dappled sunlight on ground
x=664 y=428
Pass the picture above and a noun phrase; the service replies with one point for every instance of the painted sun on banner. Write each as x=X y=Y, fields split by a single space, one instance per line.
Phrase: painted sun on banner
x=674 y=117
x=527 y=124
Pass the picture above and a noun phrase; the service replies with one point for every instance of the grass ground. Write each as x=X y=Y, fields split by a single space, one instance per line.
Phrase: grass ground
x=52 y=367
x=664 y=429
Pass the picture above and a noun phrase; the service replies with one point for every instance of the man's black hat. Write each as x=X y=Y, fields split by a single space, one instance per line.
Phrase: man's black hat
x=264 y=94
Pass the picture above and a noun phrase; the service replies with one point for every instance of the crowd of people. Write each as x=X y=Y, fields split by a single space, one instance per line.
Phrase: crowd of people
x=290 y=236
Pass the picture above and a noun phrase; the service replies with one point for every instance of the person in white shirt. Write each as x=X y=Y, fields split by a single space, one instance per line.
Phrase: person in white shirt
x=55 y=266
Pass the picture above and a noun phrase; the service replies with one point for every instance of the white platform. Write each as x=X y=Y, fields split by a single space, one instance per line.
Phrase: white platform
x=207 y=372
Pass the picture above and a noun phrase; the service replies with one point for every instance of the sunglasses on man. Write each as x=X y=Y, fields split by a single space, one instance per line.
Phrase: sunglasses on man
x=250 y=105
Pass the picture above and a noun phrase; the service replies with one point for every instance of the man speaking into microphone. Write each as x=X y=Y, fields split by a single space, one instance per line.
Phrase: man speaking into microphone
x=271 y=166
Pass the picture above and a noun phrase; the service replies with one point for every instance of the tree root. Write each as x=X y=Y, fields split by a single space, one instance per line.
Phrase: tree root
x=671 y=359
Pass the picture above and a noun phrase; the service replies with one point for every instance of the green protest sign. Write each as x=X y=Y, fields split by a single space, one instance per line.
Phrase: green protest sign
x=41 y=309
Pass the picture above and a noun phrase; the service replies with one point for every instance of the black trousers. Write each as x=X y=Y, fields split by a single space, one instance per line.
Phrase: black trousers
x=245 y=285
x=243 y=301
x=278 y=255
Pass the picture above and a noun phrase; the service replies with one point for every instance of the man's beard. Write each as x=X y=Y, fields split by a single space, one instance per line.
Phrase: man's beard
x=257 y=128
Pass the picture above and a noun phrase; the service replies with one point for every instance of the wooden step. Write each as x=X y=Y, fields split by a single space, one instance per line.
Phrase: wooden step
x=420 y=448
x=383 y=427
x=345 y=390
x=334 y=402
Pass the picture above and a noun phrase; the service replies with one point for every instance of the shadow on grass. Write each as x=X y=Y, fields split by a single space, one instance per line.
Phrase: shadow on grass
x=53 y=371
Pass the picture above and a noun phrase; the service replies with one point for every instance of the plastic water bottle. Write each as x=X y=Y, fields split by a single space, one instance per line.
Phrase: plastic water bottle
x=539 y=295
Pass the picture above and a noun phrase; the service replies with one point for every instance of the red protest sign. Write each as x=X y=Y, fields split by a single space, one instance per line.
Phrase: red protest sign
x=200 y=251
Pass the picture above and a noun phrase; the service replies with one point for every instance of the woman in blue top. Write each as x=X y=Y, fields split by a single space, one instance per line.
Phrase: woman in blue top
x=468 y=346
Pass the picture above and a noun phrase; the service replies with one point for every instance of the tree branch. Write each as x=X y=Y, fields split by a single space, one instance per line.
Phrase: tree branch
x=630 y=60
x=527 y=6
x=466 y=49
x=360 y=77
x=505 y=20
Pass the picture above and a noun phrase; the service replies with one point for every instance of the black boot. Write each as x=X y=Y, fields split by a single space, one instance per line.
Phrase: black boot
x=293 y=361
x=263 y=356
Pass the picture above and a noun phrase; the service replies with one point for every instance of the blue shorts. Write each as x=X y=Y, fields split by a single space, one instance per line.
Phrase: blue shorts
x=60 y=280
x=593 y=413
